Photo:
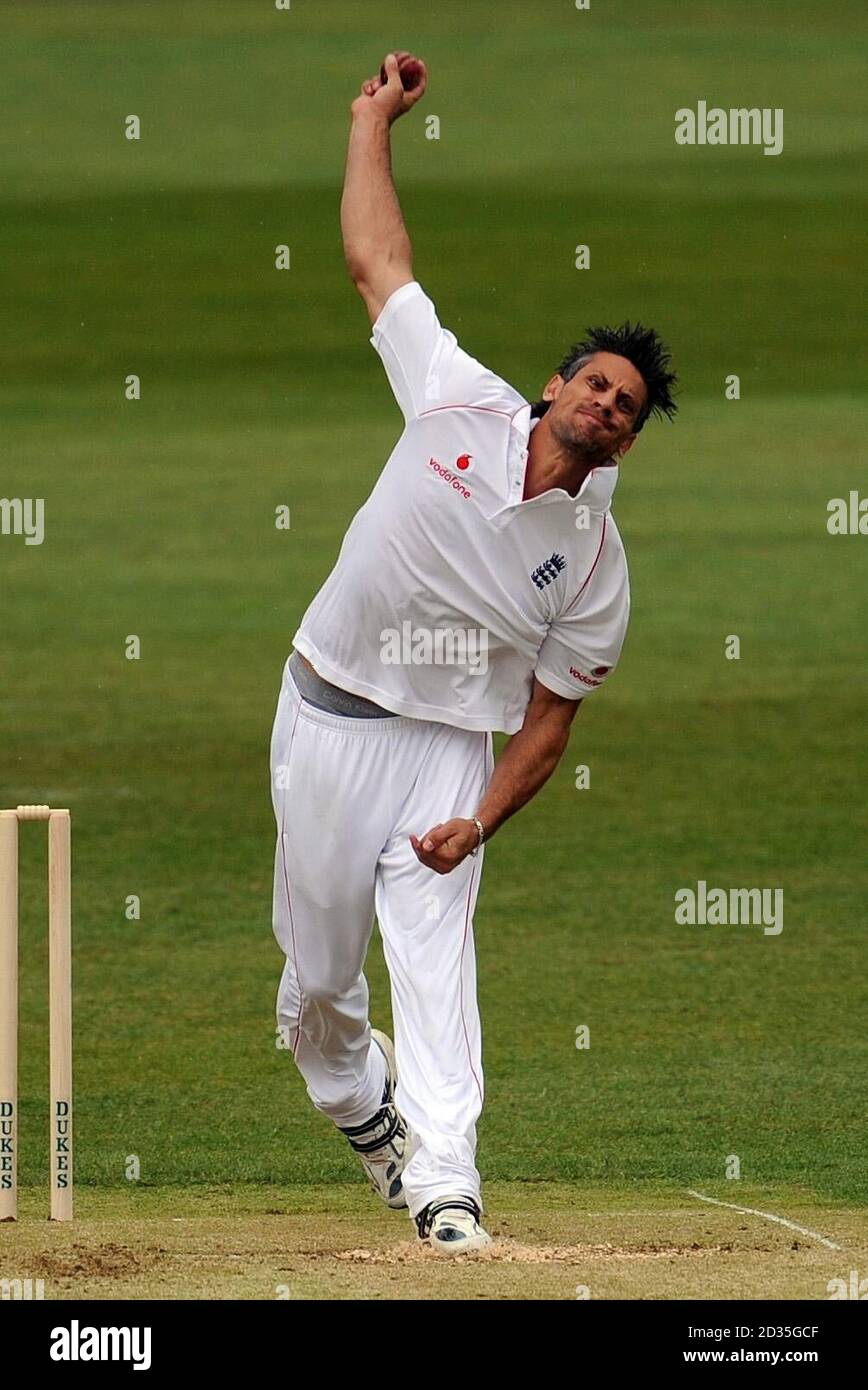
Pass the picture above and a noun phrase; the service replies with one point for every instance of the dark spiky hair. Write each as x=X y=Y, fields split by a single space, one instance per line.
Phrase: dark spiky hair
x=639 y=345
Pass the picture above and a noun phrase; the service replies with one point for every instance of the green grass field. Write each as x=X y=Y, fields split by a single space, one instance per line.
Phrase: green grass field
x=259 y=389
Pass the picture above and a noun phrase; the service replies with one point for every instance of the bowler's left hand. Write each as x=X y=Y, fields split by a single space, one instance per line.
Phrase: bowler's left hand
x=445 y=846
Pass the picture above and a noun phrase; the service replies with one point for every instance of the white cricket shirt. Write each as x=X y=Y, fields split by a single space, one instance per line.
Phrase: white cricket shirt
x=450 y=593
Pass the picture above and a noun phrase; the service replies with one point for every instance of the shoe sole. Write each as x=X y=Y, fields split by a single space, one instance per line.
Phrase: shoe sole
x=471 y=1246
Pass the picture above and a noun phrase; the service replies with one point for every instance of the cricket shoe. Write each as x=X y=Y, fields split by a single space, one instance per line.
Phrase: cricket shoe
x=381 y=1142
x=451 y=1226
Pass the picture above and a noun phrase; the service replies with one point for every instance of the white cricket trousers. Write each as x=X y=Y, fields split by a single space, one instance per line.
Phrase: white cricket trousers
x=347 y=795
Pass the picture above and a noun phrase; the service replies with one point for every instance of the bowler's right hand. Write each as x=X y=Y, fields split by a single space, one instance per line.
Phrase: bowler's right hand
x=406 y=78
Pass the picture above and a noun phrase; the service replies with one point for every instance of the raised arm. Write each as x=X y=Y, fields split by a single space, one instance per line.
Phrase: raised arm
x=376 y=245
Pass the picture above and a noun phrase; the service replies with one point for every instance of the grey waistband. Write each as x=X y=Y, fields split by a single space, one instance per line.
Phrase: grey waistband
x=323 y=695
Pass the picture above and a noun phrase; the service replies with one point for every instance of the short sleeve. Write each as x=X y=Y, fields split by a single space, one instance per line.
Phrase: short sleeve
x=425 y=366
x=583 y=645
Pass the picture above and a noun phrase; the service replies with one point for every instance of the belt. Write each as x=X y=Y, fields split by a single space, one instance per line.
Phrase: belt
x=325 y=696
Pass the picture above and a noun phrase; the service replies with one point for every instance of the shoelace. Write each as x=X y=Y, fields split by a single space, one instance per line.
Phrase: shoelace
x=425 y=1219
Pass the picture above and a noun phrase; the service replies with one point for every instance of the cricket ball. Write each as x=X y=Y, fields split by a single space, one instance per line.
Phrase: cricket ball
x=410 y=73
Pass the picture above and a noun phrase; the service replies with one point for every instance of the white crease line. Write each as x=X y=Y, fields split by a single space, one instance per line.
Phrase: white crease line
x=767 y=1216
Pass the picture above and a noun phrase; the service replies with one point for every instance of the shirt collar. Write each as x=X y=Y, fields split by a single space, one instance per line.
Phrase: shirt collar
x=595 y=492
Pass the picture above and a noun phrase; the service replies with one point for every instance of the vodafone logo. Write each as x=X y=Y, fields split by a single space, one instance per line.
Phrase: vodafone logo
x=464 y=462
x=588 y=680
x=449 y=477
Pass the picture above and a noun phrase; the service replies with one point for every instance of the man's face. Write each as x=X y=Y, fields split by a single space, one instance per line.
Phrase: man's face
x=593 y=413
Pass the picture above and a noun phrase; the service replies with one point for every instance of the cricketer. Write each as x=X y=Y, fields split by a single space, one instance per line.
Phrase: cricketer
x=482 y=587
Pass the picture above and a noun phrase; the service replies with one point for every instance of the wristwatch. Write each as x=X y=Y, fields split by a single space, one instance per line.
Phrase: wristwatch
x=481 y=828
